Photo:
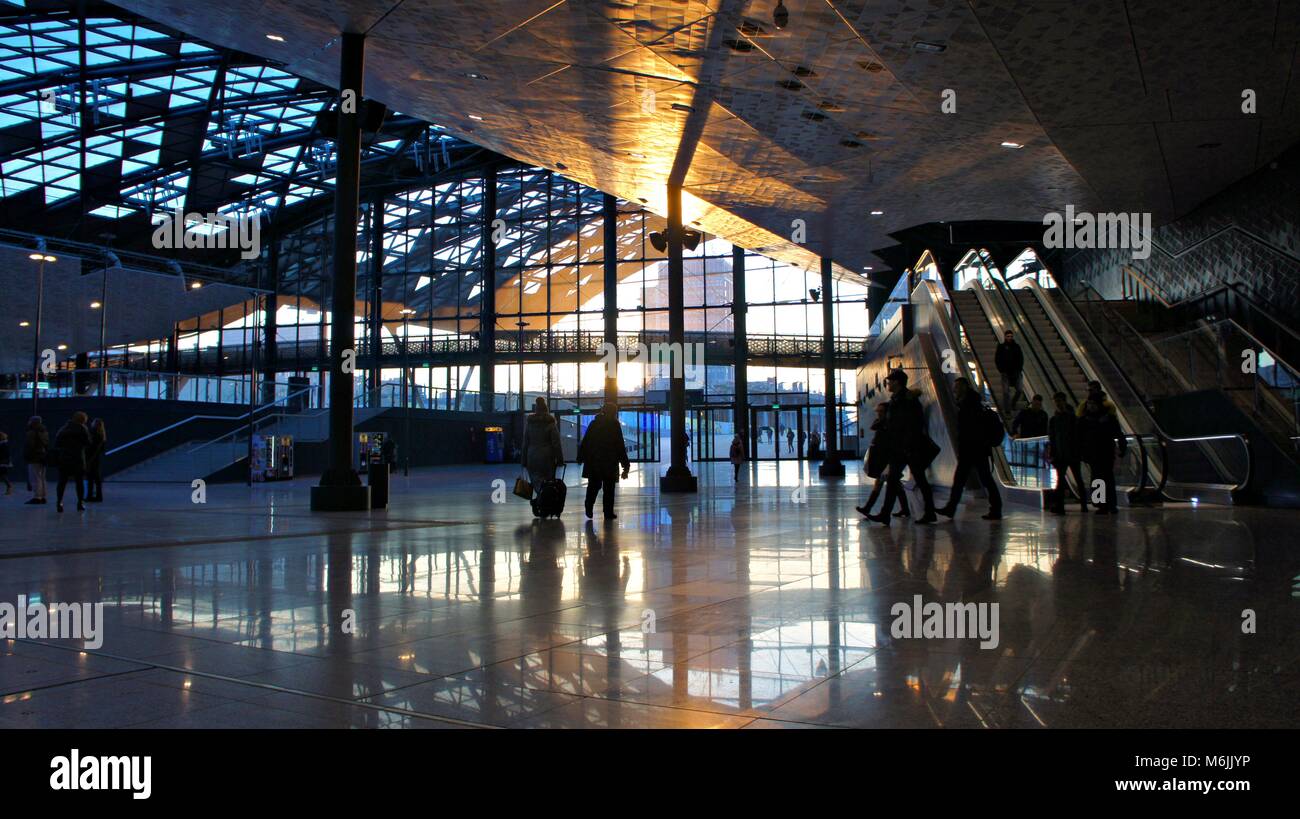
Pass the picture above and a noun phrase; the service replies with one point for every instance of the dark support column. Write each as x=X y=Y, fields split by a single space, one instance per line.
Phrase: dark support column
x=376 y=324
x=831 y=466
x=340 y=488
x=488 y=298
x=739 y=311
x=679 y=477
x=272 y=301
x=611 y=289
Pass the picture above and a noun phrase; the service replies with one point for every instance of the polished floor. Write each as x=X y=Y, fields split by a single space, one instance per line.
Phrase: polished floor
x=763 y=605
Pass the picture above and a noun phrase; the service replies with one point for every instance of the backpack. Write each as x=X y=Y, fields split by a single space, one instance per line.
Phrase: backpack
x=994 y=429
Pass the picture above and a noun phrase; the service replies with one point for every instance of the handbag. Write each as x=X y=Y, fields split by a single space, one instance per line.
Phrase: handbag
x=523 y=488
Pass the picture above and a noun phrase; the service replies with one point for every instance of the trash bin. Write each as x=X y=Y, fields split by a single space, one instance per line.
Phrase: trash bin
x=377 y=477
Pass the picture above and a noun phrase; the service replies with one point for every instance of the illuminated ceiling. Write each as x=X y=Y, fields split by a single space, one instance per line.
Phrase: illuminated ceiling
x=1118 y=105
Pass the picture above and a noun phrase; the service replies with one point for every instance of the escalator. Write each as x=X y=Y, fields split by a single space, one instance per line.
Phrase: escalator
x=1213 y=467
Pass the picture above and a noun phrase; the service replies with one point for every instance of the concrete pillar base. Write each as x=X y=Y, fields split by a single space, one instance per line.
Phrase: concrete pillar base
x=340 y=498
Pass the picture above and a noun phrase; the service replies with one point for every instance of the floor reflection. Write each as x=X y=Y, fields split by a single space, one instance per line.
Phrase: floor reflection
x=747 y=605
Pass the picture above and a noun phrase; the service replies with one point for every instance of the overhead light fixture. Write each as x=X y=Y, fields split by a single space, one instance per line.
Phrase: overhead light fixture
x=659 y=241
x=868 y=267
x=816 y=294
x=407 y=311
x=474 y=75
x=476 y=117
x=681 y=106
x=877 y=213
x=42 y=257
x=195 y=285
x=275 y=37
x=94 y=305
x=1012 y=145
x=929 y=48
x=780 y=15
x=63 y=346
x=561 y=166
x=24 y=324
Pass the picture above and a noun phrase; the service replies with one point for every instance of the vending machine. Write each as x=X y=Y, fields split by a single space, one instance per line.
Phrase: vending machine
x=272 y=458
x=370 y=449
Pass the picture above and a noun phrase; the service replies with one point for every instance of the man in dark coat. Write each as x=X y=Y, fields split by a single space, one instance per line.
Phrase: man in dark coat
x=1063 y=453
x=601 y=452
x=1100 y=441
x=71 y=444
x=908 y=446
x=1010 y=361
x=1031 y=422
x=973 y=452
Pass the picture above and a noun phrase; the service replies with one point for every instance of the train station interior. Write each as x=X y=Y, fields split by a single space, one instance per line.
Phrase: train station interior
x=286 y=282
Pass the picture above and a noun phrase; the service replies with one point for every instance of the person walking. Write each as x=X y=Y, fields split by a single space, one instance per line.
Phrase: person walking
x=815 y=445
x=876 y=465
x=973 y=452
x=789 y=440
x=1010 y=361
x=95 y=462
x=1101 y=441
x=71 y=444
x=1063 y=453
x=908 y=445
x=601 y=452
x=6 y=462
x=36 y=453
x=1031 y=422
x=737 y=456
x=542 y=451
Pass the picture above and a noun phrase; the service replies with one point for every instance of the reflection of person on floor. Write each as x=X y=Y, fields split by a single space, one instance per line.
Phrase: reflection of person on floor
x=601 y=452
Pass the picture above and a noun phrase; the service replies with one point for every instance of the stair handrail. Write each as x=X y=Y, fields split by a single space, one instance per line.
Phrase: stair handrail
x=201 y=417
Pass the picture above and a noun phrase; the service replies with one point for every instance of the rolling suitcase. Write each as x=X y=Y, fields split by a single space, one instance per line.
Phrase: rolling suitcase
x=550 y=497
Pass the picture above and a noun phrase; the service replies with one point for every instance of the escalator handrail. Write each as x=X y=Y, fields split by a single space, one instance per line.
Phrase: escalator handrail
x=1159 y=433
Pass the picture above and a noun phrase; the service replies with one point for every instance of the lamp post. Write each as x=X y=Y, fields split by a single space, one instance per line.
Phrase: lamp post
x=40 y=257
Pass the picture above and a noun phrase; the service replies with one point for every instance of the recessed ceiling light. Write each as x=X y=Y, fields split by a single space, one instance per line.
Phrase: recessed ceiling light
x=1012 y=145
x=195 y=285
x=877 y=213
x=476 y=116
x=276 y=37
x=24 y=324
x=474 y=75
x=63 y=346
x=929 y=48
x=94 y=305
x=868 y=267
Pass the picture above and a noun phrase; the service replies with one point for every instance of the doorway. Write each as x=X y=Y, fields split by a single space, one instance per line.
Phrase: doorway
x=778 y=433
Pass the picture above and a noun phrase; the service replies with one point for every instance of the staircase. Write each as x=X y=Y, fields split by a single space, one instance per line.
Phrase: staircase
x=203 y=459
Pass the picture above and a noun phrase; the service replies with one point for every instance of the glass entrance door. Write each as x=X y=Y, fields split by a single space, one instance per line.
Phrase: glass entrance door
x=711 y=431
x=778 y=434
x=640 y=432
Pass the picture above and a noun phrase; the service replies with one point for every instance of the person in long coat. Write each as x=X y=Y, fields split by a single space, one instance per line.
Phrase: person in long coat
x=602 y=452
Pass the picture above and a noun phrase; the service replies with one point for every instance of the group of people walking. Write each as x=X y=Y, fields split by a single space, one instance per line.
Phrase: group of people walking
x=602 y=453
x=76 y=451
x=1089 y=435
